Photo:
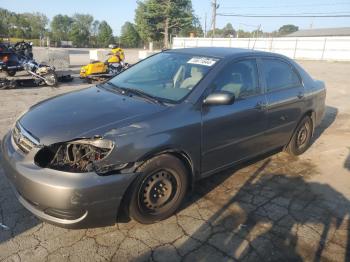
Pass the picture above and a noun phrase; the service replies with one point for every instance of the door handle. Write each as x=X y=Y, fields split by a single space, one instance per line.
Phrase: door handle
x=300 y=95
x=260 y=105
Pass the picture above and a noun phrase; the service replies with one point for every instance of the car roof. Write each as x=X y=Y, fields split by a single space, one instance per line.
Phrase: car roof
x=219 y=52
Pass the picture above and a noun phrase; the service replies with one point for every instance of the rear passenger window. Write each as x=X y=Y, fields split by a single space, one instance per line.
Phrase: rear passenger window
x=279 y=75
x=239 y=78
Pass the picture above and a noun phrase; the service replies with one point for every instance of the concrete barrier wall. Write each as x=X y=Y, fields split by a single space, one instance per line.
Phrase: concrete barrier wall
x=99 y=54
x=308 y=48
x=59 y=58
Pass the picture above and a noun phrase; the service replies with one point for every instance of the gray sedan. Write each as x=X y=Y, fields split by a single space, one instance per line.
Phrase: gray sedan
x=137 y=144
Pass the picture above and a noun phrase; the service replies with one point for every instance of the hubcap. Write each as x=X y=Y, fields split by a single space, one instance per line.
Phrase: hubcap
x=302 y=135
x=157 y=190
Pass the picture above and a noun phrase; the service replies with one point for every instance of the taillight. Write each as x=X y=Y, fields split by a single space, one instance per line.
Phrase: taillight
x=5 y=59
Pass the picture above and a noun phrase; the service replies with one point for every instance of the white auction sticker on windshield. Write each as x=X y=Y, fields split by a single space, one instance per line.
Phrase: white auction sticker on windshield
x=206 y=61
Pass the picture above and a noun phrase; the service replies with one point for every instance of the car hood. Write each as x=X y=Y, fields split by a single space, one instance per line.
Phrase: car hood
x=84 y=113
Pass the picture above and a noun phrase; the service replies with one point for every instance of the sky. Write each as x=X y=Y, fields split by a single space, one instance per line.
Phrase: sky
x=116 y=12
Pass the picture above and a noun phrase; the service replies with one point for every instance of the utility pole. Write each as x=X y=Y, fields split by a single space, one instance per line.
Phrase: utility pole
x=214 y=7
x=205 y=25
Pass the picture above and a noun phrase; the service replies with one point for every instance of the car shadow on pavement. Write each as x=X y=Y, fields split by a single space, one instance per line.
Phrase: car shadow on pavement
x=267 y=212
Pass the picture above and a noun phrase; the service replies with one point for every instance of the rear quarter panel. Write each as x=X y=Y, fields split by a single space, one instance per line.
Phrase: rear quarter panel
x=315 y=95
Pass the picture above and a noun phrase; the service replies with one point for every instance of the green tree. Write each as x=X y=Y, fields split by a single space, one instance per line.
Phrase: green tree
x=4 y=22
x=228 y=31
x=80 y=31
x=218 y=33
x=157 y=18
x=287 y=29
x=129 y=36
x=61 y=26
x=94 y=32
x=37 y=23
x=257 y=33
x=146 y=22
x=105 y=34
x=195 y=28
x=28 y=25
x=243 y=34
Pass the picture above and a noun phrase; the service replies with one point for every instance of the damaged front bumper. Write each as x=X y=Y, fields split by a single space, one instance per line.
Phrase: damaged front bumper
x=73 y=200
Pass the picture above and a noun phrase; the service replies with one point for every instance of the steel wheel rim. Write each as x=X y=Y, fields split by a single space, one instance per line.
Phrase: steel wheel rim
x=157 y=191
x=303 y=136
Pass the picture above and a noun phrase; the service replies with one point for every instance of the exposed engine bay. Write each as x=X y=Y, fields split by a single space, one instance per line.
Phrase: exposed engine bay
x=77 y=156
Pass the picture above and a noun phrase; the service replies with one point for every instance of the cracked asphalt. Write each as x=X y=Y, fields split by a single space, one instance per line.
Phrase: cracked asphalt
x=274 y=208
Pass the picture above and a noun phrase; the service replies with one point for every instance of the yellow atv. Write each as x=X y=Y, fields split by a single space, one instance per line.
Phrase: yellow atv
x=99 y=71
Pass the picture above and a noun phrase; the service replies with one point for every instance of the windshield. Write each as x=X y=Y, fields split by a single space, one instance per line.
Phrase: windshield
x=166 y=76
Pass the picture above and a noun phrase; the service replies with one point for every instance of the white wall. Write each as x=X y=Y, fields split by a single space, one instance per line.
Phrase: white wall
x=311 y=48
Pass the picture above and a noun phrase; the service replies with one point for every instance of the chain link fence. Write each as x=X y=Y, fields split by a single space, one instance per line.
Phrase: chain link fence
x=59 y=58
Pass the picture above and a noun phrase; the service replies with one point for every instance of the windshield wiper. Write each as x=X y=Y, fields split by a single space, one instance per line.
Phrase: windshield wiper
x=143 y=95
x=121 y=90
x=134 y=91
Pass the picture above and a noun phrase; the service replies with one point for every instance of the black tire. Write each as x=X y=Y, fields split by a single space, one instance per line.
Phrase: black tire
x=10 y=73
x=159 y=190
x=301 y=139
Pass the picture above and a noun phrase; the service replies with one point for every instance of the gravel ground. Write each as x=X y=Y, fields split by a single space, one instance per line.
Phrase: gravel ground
x=275 y=208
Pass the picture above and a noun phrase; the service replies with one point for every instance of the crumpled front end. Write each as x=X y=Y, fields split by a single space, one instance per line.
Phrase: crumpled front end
x=64 y=196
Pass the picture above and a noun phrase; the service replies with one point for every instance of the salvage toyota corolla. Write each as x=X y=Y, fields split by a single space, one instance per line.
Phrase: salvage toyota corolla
x=137 y=143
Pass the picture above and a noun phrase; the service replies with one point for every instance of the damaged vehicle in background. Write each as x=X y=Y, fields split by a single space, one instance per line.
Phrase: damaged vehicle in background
x=19 y=57
x=137 y=144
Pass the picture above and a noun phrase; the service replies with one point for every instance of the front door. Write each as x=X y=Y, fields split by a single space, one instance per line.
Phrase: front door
x=234 y=132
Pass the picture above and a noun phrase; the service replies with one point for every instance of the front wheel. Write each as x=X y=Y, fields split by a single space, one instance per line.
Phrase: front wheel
x=301 y=139
x=51 y=78
x=159 y=190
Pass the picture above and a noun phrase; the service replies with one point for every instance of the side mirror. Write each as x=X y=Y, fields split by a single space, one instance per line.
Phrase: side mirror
x=220 y=98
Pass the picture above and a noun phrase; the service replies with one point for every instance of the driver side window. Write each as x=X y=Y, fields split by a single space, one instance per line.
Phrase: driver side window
x=239 y=78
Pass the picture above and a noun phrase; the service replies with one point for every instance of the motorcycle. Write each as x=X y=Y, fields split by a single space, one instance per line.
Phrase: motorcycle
x=19 y=57
x=11 y=56
x=101 y=71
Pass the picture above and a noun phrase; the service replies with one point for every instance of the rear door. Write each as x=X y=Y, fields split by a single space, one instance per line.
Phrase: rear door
x=285 y=99
x=234 y=132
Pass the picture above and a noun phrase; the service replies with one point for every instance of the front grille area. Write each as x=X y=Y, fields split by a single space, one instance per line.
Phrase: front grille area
x=23 y=139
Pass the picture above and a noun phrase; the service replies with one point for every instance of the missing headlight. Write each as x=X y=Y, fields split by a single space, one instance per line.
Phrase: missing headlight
x=77 y=156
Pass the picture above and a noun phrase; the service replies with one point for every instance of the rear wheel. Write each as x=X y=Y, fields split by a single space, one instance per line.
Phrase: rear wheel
x=301 y=139
x=159 y=190
x=10 y=73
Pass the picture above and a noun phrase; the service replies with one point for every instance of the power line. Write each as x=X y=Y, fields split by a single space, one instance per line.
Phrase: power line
x=300 y=13
x=283 y=6
x=286 y=15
